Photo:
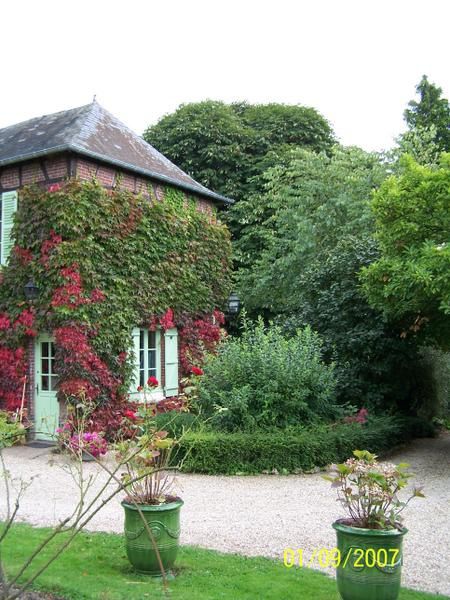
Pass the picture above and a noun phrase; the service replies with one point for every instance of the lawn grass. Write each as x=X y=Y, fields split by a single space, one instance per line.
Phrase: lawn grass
x=95 y=567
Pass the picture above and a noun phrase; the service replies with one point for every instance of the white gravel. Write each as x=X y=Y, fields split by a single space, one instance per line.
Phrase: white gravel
x=262 y=515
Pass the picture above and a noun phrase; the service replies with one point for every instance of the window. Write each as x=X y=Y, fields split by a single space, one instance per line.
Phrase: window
x=8 y=206
x=49 y=379
x=148 y=355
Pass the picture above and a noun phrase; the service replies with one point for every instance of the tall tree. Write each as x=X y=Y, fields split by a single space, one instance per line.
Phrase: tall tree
x=410 y=282
x=431 y=113
x=307 y=207
x=209 y=141
x=225 y=146
x=303 y=242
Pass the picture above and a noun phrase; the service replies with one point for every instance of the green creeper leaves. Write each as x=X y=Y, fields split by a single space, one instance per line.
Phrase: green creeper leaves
x=106 y=261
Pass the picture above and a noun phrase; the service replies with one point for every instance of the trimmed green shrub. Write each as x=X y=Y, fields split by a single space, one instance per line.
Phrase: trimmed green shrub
x=293 y=451
x=263 y=380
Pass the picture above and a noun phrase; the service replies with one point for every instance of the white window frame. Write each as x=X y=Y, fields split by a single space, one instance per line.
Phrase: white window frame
x=141 y=364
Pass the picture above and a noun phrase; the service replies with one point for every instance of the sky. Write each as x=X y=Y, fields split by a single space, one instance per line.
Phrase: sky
x=356 y=61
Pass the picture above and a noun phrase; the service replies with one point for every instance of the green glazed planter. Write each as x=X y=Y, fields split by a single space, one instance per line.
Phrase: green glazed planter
x=370 y=562
x=164 y=523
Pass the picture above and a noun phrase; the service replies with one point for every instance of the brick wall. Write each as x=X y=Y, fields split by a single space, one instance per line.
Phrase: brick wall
x=58 y=168
x=111 y=177
x=45 y=171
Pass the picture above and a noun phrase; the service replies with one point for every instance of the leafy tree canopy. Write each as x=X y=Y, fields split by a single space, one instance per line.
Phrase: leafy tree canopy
x=373 y=363
x=224 y=146
x=411 y=279
x=428 y=117
x=303 y=243
x=306 y=208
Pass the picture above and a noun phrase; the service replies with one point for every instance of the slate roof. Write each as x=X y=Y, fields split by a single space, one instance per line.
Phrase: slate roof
x=92 y=131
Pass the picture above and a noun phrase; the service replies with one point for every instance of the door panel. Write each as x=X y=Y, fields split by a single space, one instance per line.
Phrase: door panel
x=46 y=410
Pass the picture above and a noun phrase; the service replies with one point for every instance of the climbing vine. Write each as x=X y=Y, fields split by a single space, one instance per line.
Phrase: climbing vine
x=106 y=261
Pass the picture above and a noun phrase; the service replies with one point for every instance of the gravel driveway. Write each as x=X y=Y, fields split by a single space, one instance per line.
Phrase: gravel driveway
x=262 y=515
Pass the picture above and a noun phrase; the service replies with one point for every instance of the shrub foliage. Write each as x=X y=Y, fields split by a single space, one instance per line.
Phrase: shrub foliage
x=410 y=281
x=264 y=380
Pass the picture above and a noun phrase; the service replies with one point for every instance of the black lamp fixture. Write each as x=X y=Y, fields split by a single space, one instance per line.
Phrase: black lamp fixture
x=31 y=291
x=234 y=304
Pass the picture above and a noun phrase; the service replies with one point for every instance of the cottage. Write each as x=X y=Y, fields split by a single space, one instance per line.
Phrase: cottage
x=81 y=145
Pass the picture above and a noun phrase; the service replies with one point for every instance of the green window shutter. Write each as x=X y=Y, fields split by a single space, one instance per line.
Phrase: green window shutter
x=171 y=362
x=9 y=207
x=135 y=334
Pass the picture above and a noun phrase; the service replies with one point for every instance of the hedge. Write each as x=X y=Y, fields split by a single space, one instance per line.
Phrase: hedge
x=302 y=450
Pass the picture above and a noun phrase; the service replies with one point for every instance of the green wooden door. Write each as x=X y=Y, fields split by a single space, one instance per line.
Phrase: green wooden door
x=46 y=411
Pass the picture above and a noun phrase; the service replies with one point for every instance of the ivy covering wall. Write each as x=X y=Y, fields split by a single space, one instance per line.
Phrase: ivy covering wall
x=106 y=261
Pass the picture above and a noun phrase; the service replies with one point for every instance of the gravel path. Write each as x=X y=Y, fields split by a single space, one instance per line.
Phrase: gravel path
x=264 y=514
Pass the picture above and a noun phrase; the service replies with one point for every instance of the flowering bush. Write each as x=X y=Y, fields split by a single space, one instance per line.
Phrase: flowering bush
x=146 y=447
x=368 y=490
x=63 y=435
x=93 y=443
x=79 y=441
x=359 y=417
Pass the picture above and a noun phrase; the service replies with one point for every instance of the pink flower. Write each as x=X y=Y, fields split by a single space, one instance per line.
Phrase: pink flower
x=152 y=381
x=360 y=417
x=55 y=187
x=93 y=443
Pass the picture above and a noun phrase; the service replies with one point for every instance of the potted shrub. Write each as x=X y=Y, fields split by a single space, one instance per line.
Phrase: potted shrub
x=152 y=509
x=369 y=540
